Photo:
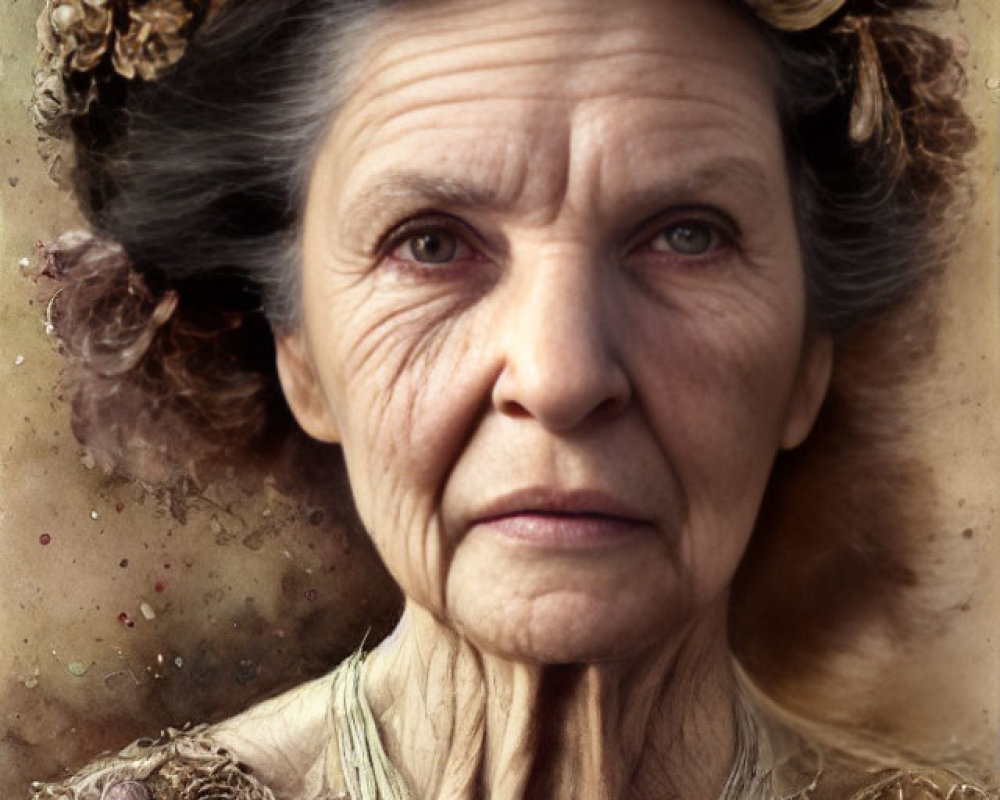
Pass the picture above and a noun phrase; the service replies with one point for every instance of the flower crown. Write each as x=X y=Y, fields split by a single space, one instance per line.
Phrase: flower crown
x=86 y=45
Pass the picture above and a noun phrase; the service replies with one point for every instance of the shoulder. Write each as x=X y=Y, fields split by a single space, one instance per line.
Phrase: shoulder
x=280 y=749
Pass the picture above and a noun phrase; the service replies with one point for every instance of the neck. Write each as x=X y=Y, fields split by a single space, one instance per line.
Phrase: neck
x=462 y=723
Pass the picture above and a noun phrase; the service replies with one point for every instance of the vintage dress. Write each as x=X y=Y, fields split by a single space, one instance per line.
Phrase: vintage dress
x=188 y=765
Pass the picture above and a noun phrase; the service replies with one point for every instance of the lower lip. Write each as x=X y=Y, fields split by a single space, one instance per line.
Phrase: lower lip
x=566 y=531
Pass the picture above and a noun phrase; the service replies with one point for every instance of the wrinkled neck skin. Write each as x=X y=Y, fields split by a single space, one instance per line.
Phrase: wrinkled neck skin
x=462 y=723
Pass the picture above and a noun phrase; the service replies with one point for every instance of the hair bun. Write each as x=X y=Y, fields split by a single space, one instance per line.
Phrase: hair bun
x=156 y=381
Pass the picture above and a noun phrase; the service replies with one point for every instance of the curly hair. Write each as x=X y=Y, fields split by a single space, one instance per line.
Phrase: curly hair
x=199 y=179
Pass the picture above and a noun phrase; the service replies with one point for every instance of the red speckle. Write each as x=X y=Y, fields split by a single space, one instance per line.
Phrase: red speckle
x=311 y=594
x=160 y=586
x=166 y=566
x=44 y=539
x=119 y=507
x=125 y=620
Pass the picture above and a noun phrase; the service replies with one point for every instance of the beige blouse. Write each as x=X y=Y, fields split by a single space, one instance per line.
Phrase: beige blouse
x=192 y=764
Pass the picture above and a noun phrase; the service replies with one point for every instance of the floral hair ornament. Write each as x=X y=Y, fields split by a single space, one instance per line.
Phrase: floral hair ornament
x=87 y=46
x=874 y=112
x=142 y=38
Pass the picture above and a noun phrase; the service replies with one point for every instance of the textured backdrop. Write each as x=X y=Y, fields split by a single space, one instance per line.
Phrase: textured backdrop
x=126 y=608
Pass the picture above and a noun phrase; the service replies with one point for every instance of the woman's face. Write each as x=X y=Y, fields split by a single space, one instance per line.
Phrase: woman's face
x=554 y=313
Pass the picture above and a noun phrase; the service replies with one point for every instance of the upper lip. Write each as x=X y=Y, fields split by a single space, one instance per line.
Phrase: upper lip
x=555 y=501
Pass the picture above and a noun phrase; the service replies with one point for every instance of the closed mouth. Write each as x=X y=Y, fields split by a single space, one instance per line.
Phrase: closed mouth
x=556 y=504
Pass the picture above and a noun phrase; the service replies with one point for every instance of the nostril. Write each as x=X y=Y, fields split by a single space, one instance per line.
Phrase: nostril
x=512 y=408
x=560 y=405
x=610 y=406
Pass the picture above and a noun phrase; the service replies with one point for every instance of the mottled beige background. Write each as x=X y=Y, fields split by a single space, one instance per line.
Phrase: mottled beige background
x=937 y=689
x=230 y=596
x=233 y=594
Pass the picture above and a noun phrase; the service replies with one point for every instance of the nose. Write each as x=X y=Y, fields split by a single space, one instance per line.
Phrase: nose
x=561 y=364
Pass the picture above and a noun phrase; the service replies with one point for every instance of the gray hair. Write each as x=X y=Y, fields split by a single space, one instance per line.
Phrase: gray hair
x=201 y=177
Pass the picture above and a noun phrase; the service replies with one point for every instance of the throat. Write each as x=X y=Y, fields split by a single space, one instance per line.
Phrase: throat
x=458 y=722
x=572 y=739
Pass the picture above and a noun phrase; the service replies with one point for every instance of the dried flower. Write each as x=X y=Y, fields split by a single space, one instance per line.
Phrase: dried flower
x=872 y=109
x=84 y=43
x=51 y=109
x=154 y=41
x=80 y=31
x=49 y=103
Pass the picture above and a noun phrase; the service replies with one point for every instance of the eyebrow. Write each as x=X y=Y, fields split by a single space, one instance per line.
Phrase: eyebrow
x=406 y=187
x=731 y=172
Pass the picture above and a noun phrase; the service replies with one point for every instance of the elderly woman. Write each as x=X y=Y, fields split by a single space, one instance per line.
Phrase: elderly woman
x=561 y=282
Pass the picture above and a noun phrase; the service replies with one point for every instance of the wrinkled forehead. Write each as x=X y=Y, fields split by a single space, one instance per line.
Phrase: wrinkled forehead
x=571 y=48
x=472 y=81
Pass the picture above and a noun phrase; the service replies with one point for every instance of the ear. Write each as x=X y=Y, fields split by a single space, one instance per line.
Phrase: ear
x=302 y=388
x=809 y=390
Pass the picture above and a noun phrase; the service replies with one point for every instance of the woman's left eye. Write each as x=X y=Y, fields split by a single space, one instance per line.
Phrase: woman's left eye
x=690 y=238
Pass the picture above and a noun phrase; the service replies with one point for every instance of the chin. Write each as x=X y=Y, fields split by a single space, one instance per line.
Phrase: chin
x=569 y=628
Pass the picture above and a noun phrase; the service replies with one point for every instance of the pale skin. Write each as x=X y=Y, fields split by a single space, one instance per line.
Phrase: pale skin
x=553 y=311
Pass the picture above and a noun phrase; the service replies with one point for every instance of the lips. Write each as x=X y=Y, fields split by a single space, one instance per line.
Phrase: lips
x=549 y=517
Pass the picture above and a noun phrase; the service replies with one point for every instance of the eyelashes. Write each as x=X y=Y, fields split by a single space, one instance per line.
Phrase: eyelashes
x=433 y=242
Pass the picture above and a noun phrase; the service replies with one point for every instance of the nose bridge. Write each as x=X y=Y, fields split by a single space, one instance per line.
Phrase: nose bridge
x=561 y=364
x=559 y=308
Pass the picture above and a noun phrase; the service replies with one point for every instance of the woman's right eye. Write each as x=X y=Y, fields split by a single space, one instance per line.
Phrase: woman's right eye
x=432 y=247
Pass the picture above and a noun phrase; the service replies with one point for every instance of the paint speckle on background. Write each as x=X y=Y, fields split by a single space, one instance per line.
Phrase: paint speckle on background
x=30 y=681
x=45 y=539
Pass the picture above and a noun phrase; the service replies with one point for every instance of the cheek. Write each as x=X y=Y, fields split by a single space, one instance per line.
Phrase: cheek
x=406 y=387
x=718 y=381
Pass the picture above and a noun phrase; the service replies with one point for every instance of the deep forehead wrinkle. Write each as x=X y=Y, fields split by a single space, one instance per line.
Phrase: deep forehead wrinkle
x=418 y=190
x=419 y=44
